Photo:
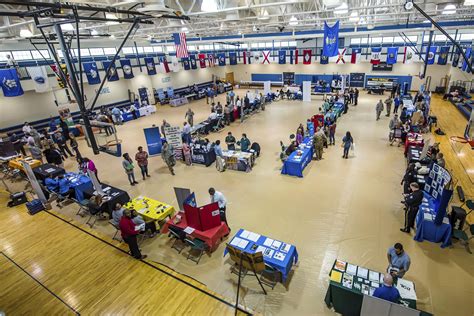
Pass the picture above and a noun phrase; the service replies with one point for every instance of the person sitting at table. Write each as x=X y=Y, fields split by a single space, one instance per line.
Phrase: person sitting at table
x=218 y=197
x=244 y=143
x=398 y=261
x=291 y=148
x=440 y=160
x=51 y=183
x=412 y=203
x=213 y=116
x=129 y=234
x=387 y=291
x=230 y=141
x=65 y=189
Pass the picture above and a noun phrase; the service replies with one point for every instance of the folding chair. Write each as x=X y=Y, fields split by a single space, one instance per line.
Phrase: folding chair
x=463 y=238
x=117 y=232
x=82 y=207
x=197 y=246
x=179 y=236
x=270 y=276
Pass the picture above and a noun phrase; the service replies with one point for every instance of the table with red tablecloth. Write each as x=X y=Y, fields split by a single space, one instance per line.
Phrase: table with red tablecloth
x=212 y=237
x=318 y=120
x=413 y=140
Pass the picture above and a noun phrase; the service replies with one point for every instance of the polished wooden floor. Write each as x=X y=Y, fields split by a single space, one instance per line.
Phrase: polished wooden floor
x=87 y=275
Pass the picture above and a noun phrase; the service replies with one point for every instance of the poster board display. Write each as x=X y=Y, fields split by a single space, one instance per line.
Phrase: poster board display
x=173 y=137
x=357 y=79
x=250 y=261
x=376 y=82
x=201 y=218
x=153 y=140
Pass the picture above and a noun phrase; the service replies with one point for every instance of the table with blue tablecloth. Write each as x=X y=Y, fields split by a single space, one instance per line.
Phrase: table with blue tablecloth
x=338 y=108
x=426 y=229
x=299 y=159
x=79 y=183
x=321 y=89
x=129 y=116
x=276 y=254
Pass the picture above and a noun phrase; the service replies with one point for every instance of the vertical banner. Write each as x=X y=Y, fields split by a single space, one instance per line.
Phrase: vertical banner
x=192 y=60
x=233 y=58
x=324 y=59
x=186 y=64
x=112 y=75
x=211 y=60
x=10 y=82
x=331 y=39
x=126 y=68
x=164 y=67
x=202 y=60
x=173 y=137
x=431 y=55
x=456 y=58
x=468 y=53
x=221 y=58
x=92 y=73
x=153 y=140
x=340 y=56
x=150 y=66
x=443 y=55
x=296 y=56
x=375 y=57
x=175 y=64
x=266 y=57
x=39 y=77
x=408 y=55
x=355 y=55
x=307 y=56
x=392 y=53
x=282 y=57
x=62 y=83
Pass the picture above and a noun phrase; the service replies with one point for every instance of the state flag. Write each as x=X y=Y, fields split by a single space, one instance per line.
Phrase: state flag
x=392 y=53
x=202 y=60
x=126 y=68
x=375 y=57
x=186 y=64
x=92 y=73
x=355 y=55
x=150 y=66
x=112 y=74
x=192 y=60
x=10 y=82
x=282 y=57
x=306 y=56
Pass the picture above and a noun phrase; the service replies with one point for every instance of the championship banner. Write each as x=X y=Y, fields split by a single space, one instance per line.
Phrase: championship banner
x=192 y=60
x=173 y=137
x=355 y=55
x=186 y=64
x=126 y=68
x=443 y=55
x=10 y=82
x=432 y=55
x=468 y=54
x=202 y=60
x=282 y=57
x=221 y=59
x=150 y=66
x=39 y=77
x=392 y=53
x=92 y=73
x=164 y=67
x=331 y=39
x=307 y=56
x=153 y=140
x=375 y=58
x=233 y=58
x=112 y=75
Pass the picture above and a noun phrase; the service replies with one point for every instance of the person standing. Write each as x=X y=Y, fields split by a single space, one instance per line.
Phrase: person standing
x=187 y=154
x=220 y=163
x=61 y=142
x=388 y=105
x=35 y=151
x=74 y=145
x=379 y=109
x=398 y=261
x=244 y=143
x=129 y=234
x=17 y=144
x=167 y=153
x=412 y=203
x=127 y=164
x=163 y=127
x=332 y=133
x=218 y=197
x=117 y=114
x=133 y=110
x=186 y=133
x=141 y=157
x=318 y=142
x=230 y=141
x=64 y=128
x=53 y=156
x=90 y=166
x=396 y=103
x=356 y=96
x=409 y=177
x=347 y=143
x=189 y=116
x=387 y=291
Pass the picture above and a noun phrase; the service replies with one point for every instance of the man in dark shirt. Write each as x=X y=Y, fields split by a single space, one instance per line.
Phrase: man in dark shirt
x=412 y=202
x=129 y=233
x=230 y=141
x=356 y=96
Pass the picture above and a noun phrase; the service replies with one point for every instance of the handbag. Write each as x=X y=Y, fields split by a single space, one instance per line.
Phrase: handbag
x=353 y=147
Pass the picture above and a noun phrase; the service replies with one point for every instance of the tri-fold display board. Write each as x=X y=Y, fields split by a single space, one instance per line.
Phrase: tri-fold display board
x=201 y=218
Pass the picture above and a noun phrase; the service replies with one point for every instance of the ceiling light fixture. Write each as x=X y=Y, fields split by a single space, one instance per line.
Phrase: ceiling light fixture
x=209 y=6
x=354 y=17
x=293 y=21
x=342 y=9
x=111 y=16
x=25 y=33
x=112 y=37
x=264 y=15
x=449 y=9
x=67 y=27
x=94 y=32
x=184 y=29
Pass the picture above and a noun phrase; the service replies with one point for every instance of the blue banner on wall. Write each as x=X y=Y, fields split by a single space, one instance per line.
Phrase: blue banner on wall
x=233 y=58
x=92 y=73
x=112 y=75
x=331 y=39
x=468 y=53
x=282 y=57
x=186 y=64
x=10 y=82
x=431 y=55
x=443 y=55
x=221 y=58
x=456 y=58
x=392 y=53
x=192 y=59
x=150 y=66
x=126 y=68
x=153 y=140
x=324 y=59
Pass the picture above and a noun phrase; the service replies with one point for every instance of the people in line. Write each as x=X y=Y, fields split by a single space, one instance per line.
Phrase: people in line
x=387 y=291
x=388 y=106
x=396 y=103
x=347 y=142
x=129 y=234
x=318 y=142
x=332 y=133
x=167 y=153
x=127 y=164
x=141 y=157
x=412 y=202
x=398 y=261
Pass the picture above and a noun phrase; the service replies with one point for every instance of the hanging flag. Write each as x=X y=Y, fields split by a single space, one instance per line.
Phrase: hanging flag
x=192 y=61
x=10 y=82
x=186 y=64
x=150 y=66
x=340 y=56
x=306 y=56
x=175 y=64
x=291 y=57
x=221 y=59
x=408 y=55
x=256 y=56
x=39 y=77
x=92 y=72
x=296 y=56
x=324 y=59
x=211 y=60
x=468 y=54
x=233 y=58
x=375 y=58
x=331 y=39
x=202 y=60
x=62 y=83
x=127 y=68
x=443 y=55
x=392 y=53
x=282 y=57
x=164 y=67
x=355 y=55
x=266 y=56
x=112 y=75
x=456 y=58
x=180 y=44
x=432 y=55
x=244 y=54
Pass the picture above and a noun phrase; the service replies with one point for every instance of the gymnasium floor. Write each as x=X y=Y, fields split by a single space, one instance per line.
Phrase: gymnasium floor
x=346 y=209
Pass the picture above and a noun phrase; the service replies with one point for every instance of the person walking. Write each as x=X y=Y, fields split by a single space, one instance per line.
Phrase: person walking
x=190 y=117
x=347 y=143
x=187 y=133
x=356 y=96
x=141 y=157
x=388 y=105
x=163 y=126
x=90 y=166
x=167 y=153
x=74 y=145
x=332 y=133
x=379 y=109
x=128 y=166
x=396 y=103
x=129 y=234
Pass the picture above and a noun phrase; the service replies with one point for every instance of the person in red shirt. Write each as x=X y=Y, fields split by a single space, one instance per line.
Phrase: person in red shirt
x=129 y=234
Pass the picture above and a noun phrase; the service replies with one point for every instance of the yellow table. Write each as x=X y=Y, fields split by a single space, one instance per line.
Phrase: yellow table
x=149 y=209
x=17 y=163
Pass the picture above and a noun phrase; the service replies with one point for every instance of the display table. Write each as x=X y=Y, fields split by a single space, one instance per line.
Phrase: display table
x=426 y=229
x=299 y=159
x=79 y=183
x=147 y=110
x=408 y=104
x=129 y=116
x=338 y=108
x=113 y=196
x=277 y=254
x=238 y=160
x=178 y=101
x=212 y=237
x=413 y=154
x=203 y=156
x=413 y=140
x=321 y=89
x=346 y=295
x=149 y=209
x=17 y=163
x=44 y=171
x=294 y=89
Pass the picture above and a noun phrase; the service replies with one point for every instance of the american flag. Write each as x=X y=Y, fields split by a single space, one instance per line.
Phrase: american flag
x=180 y=43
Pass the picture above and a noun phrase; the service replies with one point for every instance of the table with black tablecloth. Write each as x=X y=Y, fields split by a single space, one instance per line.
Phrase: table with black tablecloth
x=113 y=196
x=203 y=156
x=44 y=171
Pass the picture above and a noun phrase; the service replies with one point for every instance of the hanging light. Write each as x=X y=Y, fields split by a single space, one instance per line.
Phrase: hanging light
x=25 y=33
x=449 y=9
x=264 y=15
x=111 y=16
x=354 y=17
x=112 y=37
x=293 y=21
x=94 y=32
x=184 y=29
x=67 y=27
x=209 y=6
x=342 y=9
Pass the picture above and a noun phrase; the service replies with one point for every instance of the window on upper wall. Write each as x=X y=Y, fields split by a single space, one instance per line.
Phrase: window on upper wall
x=60 y=54
x=96 y=51
x=387 y=40
x=37 y=54
x=284 y=44
x=128 y=50
x=139 y=49
x=148 y=49
x=268 y=44
x=355 y=41
x=157 y=49
x=375 y=40
x=3 y=56
x=292 y=43
x=440 y=38
x=110 y=51
x=244 y=45
x=412 y=38
x=22 y=55
x=261 y=45
x=253 y=45
x=398 y=39
x=191 y=48
x=170 y=48
x=277 y=44
x=467 y=37
x=85 y=52
x=364 y=40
